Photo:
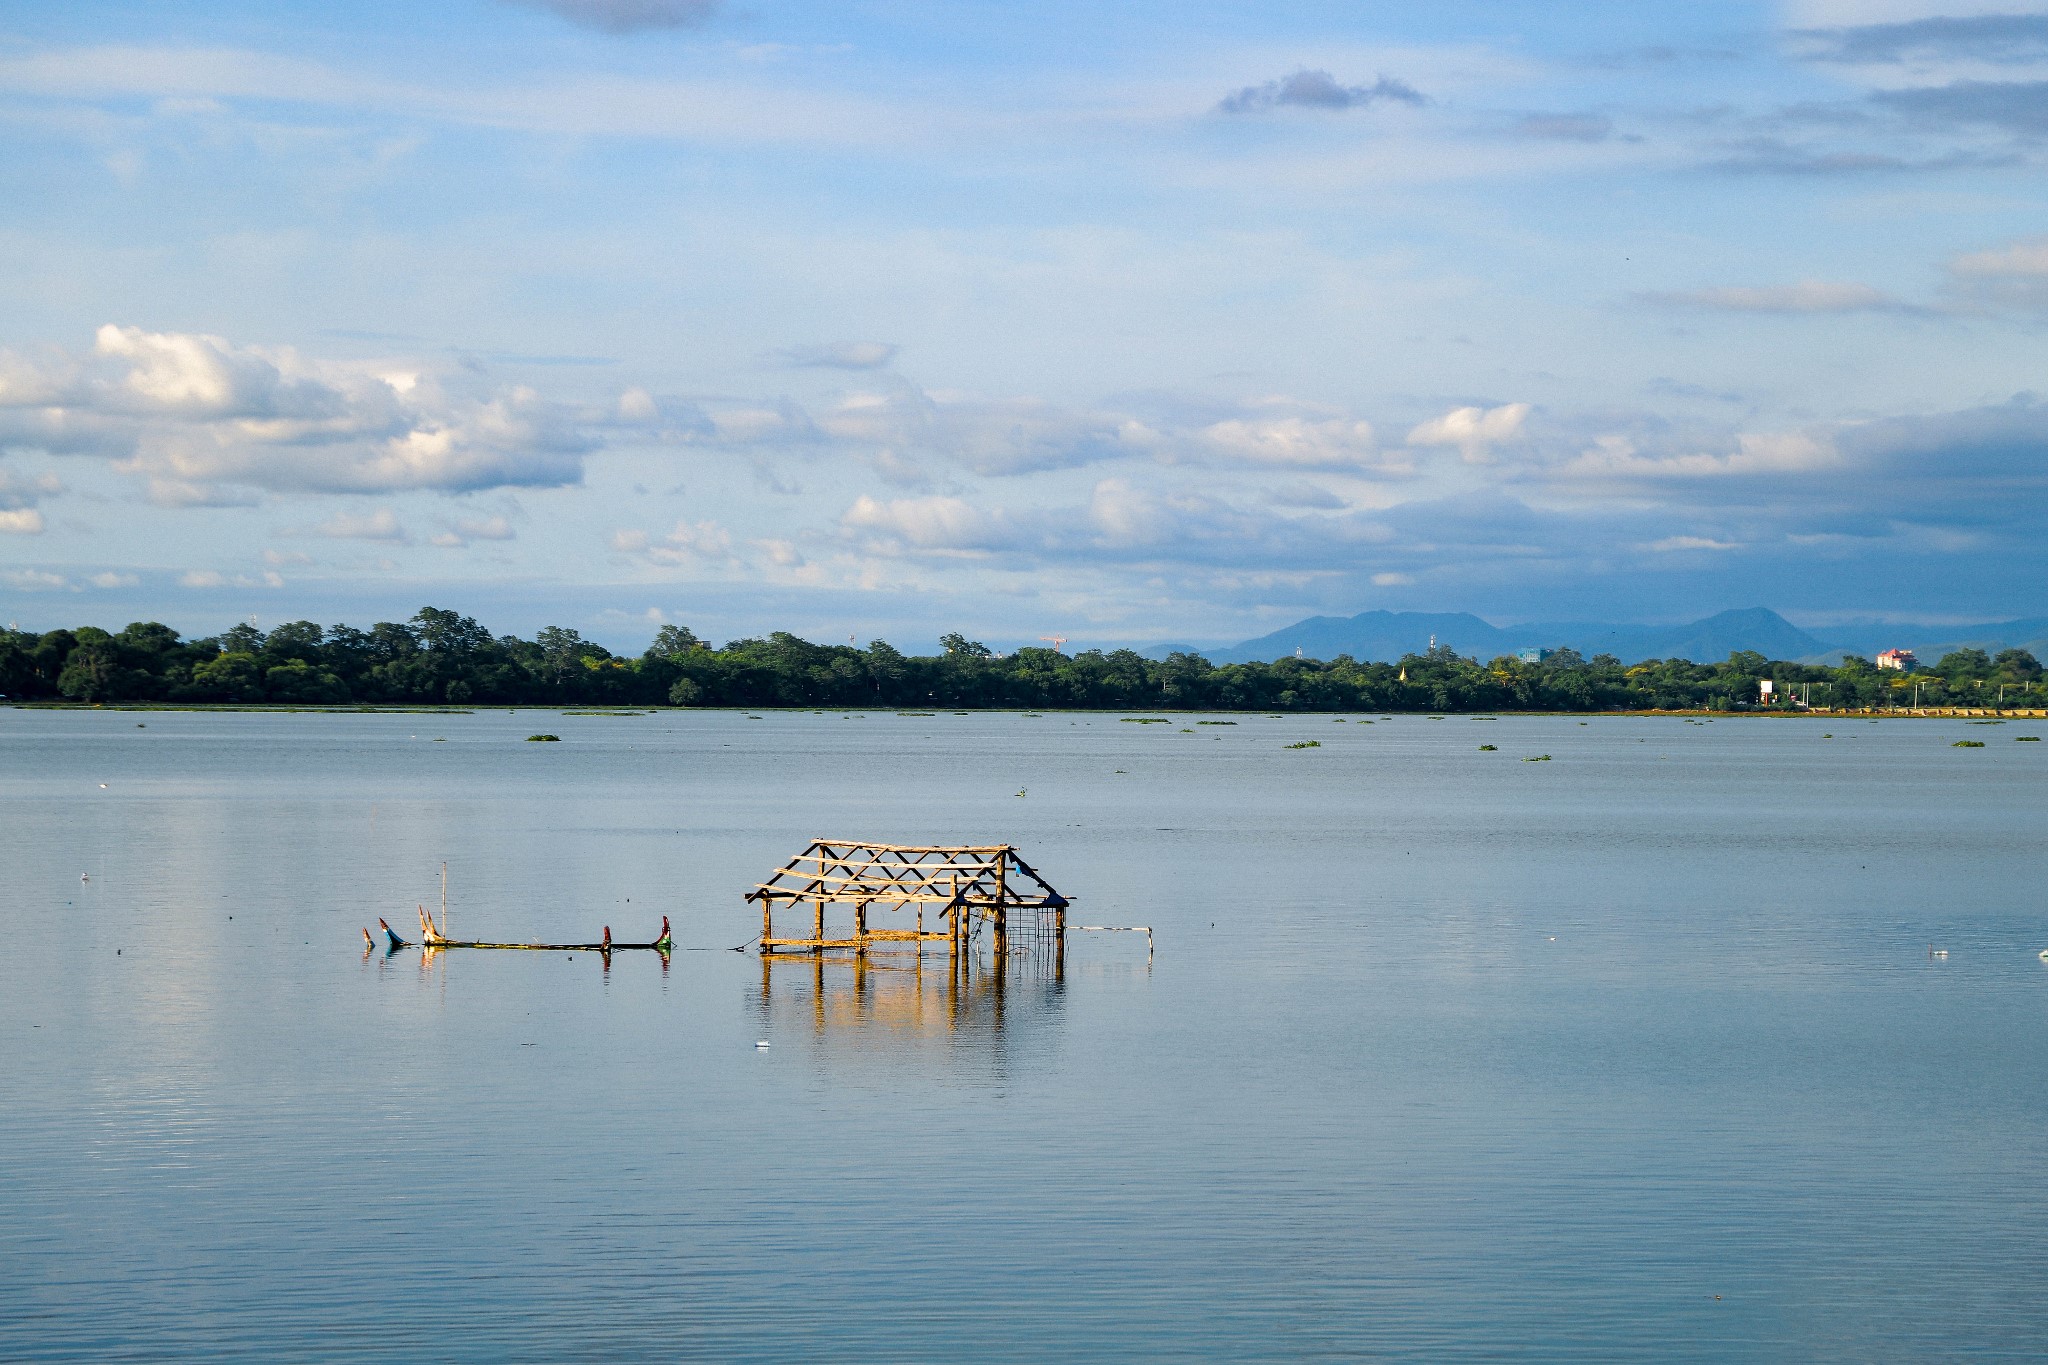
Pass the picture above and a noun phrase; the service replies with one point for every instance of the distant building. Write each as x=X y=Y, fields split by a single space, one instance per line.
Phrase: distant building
x=1899 y=659
x=1534 y=656
x=1765 y=687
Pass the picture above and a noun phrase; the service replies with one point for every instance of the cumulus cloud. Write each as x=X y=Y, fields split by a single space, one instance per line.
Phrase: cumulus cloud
x=842 y=355
x=21 y=521
x=1807 y=296
x=1307 y=89
x=204 y=421
x=699 y=542
x=479 y=528
x=932 y=523
x=381 y=524
x=1474 y=431
x=628 y=16
x=1297 y=442
x=36 y=580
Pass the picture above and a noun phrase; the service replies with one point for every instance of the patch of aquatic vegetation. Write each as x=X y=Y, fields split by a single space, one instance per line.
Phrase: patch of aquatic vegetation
x=607 y=713
x=1540 y=758
x=1987 y=722
x=543 y=739
x=1489 y=748
x=1215 y=722
x=1307 y=744
x=1968 y=744
x=1486 y=717
x=1145 y=720
x=914 y=714
x=2026 y=739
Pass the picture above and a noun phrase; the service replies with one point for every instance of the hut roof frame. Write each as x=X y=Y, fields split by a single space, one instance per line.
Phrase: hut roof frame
x=966 y=881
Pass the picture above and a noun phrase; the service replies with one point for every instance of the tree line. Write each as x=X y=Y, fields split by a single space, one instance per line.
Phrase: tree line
x=442 y=658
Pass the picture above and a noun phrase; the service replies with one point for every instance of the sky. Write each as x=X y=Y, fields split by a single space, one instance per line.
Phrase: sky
x=1122 y=323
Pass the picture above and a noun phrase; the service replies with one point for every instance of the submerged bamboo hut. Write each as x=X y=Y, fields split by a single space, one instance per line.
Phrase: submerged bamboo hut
x=880 y=894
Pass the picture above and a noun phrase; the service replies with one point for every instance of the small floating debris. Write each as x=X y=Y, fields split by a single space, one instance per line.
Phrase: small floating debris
x=1489 y=748
x=1539 y=758
x=543 y=739
x=1145 y=720
x=1229 y=722
x=761 y=1044
x=1934 y=952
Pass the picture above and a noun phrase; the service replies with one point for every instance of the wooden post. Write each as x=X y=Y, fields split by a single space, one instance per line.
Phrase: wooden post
x=818 y=934
x=767 y=922
x=860 y=927
x=1002 y=906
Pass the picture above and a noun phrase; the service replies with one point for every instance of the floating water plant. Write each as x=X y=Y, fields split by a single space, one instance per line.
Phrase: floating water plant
x=543 y=739
x=1215 y=722
x=1540 y=758
x=1307 y=744
x=2026 y=739
x=1968 y=744
x=1145 y=720
x=1489 y=748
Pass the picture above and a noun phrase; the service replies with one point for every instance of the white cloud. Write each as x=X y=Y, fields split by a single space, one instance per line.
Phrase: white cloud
x=110 y=579
x=381 y=524
x=1292 y=441
x=2027 y=259
x=1807 y=296
x=1392 y=580
x=1755 y=453
x=638 y=405
x=35 y=580
x=931 y=523
x=22 y=521
x=698 y=542
x=482 y=528
x=197 y=417
x=213 y=578
x=1671 y=544
x=1474 y=431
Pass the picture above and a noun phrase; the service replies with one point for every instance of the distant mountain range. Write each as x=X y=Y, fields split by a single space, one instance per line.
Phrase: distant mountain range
x=1387 y=635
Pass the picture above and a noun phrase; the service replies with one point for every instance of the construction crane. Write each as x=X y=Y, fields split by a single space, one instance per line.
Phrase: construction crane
x=1055 y=640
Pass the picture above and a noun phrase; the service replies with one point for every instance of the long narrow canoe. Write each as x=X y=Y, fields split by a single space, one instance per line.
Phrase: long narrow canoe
x=432 y=937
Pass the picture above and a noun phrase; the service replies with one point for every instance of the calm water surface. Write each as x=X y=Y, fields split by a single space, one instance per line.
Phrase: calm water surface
x=1637 y=1051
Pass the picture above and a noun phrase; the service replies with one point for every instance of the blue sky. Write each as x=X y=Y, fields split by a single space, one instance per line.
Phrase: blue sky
x=1128 y=322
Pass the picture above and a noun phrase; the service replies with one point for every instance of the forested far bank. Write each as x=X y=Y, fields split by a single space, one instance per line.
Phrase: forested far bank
x=440 y=657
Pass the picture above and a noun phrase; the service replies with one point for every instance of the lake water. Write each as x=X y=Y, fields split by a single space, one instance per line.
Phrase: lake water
x=1638 y=1051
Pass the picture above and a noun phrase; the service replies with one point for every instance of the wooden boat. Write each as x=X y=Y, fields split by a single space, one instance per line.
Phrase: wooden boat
x=431 y=937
